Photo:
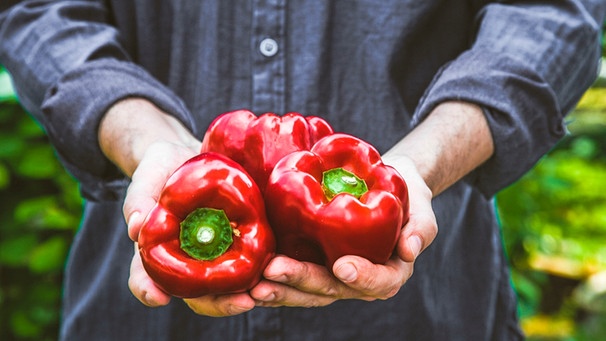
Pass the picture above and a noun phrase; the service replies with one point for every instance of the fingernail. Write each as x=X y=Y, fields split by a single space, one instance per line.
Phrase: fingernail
x=415 y=244
x=347 y=272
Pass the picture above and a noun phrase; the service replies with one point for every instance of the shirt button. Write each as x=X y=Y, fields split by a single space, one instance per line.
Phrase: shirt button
x=268 y=47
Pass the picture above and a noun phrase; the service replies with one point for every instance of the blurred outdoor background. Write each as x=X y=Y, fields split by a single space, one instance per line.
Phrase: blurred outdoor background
x=553 y=221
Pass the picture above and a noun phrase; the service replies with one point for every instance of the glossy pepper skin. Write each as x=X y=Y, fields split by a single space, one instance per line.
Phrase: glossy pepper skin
x=319 y=224
x=258 y=143
x=216 y=187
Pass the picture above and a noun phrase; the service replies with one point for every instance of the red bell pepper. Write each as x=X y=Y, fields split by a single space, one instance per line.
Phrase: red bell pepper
x=208 y=233
x=336 y=199
x=258 y=143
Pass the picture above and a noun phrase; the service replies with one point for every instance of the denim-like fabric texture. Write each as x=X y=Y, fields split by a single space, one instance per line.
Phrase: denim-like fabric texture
x=374 y=69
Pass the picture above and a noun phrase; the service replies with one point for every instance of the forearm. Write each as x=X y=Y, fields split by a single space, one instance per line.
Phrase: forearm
x=68 y=69
x=42 y=40
x=451 y=142
x=525 y=77
x=132 y=125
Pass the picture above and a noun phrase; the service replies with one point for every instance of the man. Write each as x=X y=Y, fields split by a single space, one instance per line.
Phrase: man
x=461 y=97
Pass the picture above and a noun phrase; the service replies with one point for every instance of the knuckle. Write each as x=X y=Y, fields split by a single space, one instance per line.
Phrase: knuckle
x=193 y=307
x=297 y=274
x=433 y=228
x=132 y=285
x=369 y=298
x=318 y=302
x=367 y=283
x=390 y=293
x=200 y=308
x=127 y=207
x=332 y=290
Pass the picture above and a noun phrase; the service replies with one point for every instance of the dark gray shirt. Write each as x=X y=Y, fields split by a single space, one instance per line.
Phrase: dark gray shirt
x=371 y=68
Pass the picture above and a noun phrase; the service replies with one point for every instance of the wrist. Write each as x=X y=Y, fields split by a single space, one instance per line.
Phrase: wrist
x=451 y=142
x=131 y=125
x=409 y=171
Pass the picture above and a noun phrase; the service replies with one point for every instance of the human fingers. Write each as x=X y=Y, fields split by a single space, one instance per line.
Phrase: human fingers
x=294 y=283
x=146 y=291
x=143 y=287
x=379 y=281
x=158 y=163
x=221 y=305
x=421 y=228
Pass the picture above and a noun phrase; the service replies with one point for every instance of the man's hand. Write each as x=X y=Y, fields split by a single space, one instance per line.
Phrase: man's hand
x=158 y=163
x=149 y=145
x=429 y=159
x=452 y=141
x=293 y=283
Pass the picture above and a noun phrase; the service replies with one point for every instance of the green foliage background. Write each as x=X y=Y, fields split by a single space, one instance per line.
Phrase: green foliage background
x=39 y=213
x=553 y=219
x=554 y=227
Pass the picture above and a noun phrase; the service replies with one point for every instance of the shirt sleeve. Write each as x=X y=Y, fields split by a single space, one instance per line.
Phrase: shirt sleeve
x=69 y=68
x=529 y=64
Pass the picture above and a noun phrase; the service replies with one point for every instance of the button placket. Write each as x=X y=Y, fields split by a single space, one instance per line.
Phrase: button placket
x=267 y=90
x=268 y=67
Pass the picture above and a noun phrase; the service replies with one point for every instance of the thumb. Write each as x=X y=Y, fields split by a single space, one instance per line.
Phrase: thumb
x=158 y=163
x=139 y=201
x=141 y=197
x=373 y=280
x=142 y=286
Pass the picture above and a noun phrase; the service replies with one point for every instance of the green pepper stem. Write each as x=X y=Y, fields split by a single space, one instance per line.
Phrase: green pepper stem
x=338 y=180
x=205 y=234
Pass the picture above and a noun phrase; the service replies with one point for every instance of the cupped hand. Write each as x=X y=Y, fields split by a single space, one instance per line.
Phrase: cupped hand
x=289 y=282
x=158 y=163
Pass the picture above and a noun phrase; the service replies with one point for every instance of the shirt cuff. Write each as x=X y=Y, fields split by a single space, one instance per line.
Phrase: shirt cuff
x=74 y=107
x=521 y=109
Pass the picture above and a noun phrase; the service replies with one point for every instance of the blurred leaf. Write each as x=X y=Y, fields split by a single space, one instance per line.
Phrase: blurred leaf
x=591 y=294
x=7 y=93
x=44 y=294
x=5 y=177
x=15 y=251
x=44 y=315
x=584 y=147
x=554 y=223
x=529 y=293
x=11 y=145
x=29 y=128
x=59 y=219
x=593 y=328
x=44 y=212
x=593 y=99
x=49 y=256
x=70 y=193
x=38 y=162
x=32 y=209
x=548 y=327
x=23 y=326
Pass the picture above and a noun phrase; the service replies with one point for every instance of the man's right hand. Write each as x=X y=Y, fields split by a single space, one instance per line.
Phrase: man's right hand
x=149 y=145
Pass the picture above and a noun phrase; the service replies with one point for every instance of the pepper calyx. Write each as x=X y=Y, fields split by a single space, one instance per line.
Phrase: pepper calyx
x=205 y=234
x=338 y=180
